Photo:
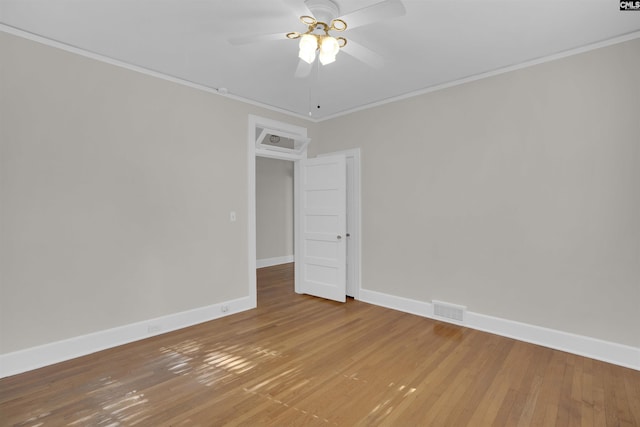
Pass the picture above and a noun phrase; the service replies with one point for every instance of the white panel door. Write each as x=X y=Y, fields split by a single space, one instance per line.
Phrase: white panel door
x=323 y=226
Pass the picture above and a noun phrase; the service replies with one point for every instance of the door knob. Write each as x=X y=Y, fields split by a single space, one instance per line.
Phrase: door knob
x=339 y=237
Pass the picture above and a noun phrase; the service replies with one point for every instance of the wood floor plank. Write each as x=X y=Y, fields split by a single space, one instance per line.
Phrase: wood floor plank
x=297 y=360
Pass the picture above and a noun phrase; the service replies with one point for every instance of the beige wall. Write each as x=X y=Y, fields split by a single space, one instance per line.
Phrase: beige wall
x=115 y=189
x=516 y=195
x=274 y=208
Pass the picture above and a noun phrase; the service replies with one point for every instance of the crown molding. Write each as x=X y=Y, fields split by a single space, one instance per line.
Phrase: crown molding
x=496 y=72
x=222 y=92
x=112 y=61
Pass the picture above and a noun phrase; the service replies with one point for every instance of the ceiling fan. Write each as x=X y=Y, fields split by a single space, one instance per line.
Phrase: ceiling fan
x=323 y=17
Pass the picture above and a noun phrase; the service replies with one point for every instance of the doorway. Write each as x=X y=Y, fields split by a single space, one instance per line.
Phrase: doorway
x=258 y=128
x=274 y=212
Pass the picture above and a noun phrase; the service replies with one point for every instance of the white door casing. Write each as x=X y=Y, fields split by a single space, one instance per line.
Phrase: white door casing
x=255 y=123
x=351 y=228
x=322 y=258
x=353 y=243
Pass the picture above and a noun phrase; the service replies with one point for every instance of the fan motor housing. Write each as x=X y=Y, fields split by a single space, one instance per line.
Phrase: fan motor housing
x=323 y=10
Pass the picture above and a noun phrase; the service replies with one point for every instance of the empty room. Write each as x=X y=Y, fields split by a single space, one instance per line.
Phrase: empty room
x=320 y=212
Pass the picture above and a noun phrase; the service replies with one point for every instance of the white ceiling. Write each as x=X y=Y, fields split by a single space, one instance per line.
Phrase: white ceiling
x=435 y=42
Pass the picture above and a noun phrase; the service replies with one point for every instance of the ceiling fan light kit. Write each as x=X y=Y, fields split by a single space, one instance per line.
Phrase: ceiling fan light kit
x=322 y=17
x=310 y=42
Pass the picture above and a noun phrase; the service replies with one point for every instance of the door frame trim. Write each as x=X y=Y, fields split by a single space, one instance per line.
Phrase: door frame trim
x=252 y=153
x=356 y=209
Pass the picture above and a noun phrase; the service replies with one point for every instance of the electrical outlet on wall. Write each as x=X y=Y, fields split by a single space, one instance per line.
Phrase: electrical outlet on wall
x=152 y=329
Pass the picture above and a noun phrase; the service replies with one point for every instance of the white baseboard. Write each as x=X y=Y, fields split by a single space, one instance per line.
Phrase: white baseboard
x=59 y=351
x=593 y=348
x=269 y=262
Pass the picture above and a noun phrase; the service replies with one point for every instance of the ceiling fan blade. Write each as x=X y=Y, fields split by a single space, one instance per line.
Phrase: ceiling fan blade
x=303 y=69
x=363 y=54
x=386 y=9
x=256 y=38
x=298 y=7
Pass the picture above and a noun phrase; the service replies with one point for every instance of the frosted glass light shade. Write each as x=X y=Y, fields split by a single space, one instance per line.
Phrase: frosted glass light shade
x=308 y=46
x=329 y=48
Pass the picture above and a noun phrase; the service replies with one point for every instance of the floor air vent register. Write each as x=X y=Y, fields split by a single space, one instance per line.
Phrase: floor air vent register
x=449 y=311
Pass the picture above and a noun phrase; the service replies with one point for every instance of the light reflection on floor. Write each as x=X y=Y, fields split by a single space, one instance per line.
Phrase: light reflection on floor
x=195 y=363
x=190 y=363
x=216 y=364
x=384 y=407
x=113 y=407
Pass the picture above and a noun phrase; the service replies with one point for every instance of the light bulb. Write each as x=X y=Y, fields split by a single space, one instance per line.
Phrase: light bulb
x=329 y=48
x=308 y=46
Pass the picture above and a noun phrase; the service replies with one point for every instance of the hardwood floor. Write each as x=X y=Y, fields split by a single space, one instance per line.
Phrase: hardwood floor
x=300 y=360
